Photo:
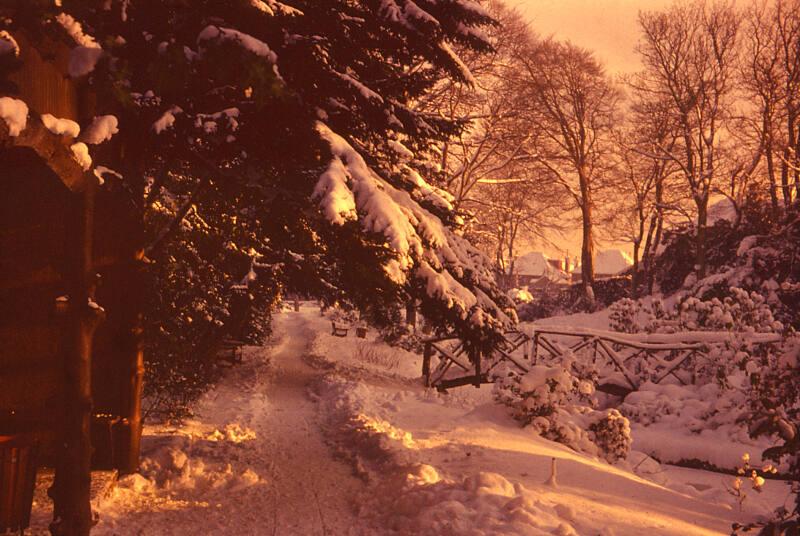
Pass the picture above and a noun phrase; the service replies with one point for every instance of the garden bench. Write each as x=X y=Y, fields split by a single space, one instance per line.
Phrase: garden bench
x=230 y=351
x=338 y=330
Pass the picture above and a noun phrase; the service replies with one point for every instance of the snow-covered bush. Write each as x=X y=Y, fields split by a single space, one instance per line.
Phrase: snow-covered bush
x=755 y=254
x=612 y=435
x=558 y=404
x=734 y=310
x=520 y=295
x=622 y=316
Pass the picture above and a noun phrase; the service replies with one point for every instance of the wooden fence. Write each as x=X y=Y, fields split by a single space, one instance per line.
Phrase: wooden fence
x=626 y=360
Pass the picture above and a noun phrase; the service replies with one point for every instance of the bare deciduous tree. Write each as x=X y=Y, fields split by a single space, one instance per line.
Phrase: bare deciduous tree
x=571 y=103
x=689 y=54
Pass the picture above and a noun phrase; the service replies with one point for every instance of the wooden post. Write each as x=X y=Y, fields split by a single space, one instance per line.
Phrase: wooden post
x=133 y=354
x=72 y=514
x=426 y=363
x=475 y=357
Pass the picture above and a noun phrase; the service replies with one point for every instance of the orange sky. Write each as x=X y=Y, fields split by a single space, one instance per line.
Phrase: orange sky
x=608 y=27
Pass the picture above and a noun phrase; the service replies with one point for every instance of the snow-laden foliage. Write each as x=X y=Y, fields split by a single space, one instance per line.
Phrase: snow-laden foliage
x=558 y=403
x=612 y=435
x=622 y=316
x=291 y=125
x=755 y=254
x=743 y=387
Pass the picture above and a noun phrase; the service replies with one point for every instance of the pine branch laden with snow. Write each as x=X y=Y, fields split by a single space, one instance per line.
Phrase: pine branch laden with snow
x=246 y=96
x=451 y=271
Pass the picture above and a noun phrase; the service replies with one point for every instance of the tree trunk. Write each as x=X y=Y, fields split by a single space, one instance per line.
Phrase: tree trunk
x=700 y=239
x=635 y=276
x=773 y=186
x=587 y=245
x=656 y=241
x=791 y=143
x=72 y=514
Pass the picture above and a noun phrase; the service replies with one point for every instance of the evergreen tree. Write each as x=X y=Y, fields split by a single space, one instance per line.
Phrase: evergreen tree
x=280 y=143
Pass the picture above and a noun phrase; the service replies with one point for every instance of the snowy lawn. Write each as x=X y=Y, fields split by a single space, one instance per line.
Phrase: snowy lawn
x=457 y=464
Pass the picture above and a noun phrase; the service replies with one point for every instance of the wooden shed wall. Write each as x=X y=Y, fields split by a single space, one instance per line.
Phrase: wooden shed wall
x=43 y=81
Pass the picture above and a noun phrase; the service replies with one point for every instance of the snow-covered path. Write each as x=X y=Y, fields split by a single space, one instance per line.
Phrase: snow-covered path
x=253 y=461
x=257 y=459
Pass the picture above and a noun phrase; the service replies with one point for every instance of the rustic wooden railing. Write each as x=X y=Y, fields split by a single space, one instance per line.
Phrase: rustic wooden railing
x=635 y=358
x=451 y=353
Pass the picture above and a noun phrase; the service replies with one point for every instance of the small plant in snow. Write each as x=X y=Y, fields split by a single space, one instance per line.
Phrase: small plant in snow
x=367 y=353
x=612 y=434
x=756 y=481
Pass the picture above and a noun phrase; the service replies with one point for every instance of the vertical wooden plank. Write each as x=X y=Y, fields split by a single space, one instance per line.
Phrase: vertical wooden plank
x=426 y=363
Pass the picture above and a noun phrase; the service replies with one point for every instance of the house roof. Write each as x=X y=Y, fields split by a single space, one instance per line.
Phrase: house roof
x=533 y=263
x=609 y=262
x=536 y=264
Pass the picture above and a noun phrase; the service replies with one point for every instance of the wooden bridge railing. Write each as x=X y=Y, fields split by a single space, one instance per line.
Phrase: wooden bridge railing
x=636 y=358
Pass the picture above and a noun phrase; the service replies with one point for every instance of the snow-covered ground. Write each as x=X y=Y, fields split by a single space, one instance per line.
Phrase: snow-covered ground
x=316 y=434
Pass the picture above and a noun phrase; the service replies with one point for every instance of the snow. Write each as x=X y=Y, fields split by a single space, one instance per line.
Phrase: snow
x=248 y=42
x=316 y=434
x=101 y=129
x=401 y=150
x=84 y=57
x=536 y=263
x=271 y=7
x=409 y=15
x=8 y=44
x=724 y=209
x=463 y=70
x=612 y=262
x=100 y=171
x=61 y=127
x=81 y=154
x=365 y=92
x=15 y=113
x=167 y=119
x=455 y=464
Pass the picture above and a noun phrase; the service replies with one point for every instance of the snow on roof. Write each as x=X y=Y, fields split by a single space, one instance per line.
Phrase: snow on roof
x=533 y=263
x=537 y=264
x=609 y=262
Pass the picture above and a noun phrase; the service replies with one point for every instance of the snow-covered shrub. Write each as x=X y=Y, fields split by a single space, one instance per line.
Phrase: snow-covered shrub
x=737 y=310
x=520 y=295
x=755 y=254
x=558 y=404
x=612 y=435
x=208 y=289
x=622 y=316
x=733 y=310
